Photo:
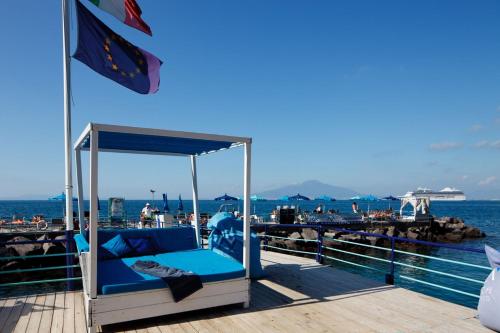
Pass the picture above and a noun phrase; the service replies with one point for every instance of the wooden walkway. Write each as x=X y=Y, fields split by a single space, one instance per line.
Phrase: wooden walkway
x=298 y=296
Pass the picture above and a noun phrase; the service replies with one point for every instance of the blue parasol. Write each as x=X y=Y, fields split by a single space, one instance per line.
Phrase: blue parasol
x=368 y=197
x=226 y=197
x=60 y=197
x=165 y=203
x=255 y=197
x=324 y=198
x=298 y=197
x=180 y=206
x=390 y=198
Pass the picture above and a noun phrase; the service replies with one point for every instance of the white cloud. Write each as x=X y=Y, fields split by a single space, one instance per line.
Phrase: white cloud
x=487 y=181
x=495 y=144
x=487 y=144
x=442 y=146
x=481 y=144
x=476 y=128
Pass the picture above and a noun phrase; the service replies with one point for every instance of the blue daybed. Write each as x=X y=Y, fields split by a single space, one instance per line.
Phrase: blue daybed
x=113 y=292
x=176 y=247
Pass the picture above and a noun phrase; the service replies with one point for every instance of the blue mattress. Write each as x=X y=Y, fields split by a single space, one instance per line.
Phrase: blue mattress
x=116 y=276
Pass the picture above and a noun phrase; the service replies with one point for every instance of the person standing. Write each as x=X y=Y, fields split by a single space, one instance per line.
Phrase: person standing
x=147 y=215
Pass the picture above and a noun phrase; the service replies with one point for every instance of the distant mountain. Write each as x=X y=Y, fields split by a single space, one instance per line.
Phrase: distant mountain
x=310 y=188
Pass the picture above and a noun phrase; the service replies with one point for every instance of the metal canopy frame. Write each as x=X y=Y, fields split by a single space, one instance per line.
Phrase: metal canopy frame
x=91 y=134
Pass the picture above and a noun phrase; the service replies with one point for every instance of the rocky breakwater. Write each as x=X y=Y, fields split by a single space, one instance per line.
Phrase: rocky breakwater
x=17 y=257
x=442 y=230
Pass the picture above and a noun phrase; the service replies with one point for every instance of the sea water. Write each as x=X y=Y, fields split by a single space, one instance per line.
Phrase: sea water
x=482 y=214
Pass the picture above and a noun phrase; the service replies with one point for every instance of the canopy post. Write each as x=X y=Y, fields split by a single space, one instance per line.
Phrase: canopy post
x=246 y=208
x=196 y=218
x=94 y=144
x=81 y=206
x=68 y=179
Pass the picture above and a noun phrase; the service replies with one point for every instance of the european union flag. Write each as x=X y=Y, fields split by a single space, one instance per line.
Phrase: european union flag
x=110 y=55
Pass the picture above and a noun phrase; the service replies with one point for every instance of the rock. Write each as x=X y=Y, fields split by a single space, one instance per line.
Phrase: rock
x=392 y=232
x=295 y=235
x=8 y=252
x=11 y=265
x=379 y=231
x=375 y=241
x=471 y=232
x=309 y=234
x=454 y=236
x=350 y=237
x=413 y=234
x=63 y=244
x=25 y=249
x=50 y=248
x=455 y=225
x=331 y=234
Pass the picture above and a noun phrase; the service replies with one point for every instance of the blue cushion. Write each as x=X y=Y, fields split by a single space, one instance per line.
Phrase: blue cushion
x=117 y=246
x=142 y=246
x=165 y=239
x=116 y=276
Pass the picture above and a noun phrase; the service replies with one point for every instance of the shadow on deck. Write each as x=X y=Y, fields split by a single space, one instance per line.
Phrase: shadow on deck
x=297 y=295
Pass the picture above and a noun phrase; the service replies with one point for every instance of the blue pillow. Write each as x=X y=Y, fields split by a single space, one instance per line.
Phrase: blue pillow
x=117 y=246
x=142 y=246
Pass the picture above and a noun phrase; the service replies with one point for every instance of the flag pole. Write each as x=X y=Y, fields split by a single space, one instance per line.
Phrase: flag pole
x=67 y=115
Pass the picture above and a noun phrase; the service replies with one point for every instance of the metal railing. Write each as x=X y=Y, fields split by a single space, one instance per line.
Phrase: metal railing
x=390 y=259
x=70 y=262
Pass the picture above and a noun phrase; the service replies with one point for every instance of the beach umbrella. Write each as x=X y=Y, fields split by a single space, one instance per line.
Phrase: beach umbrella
x=60 y=197
x=165 y=203
x=298 y=197
x=257 y=198
x=180 y=206
x=390 y=198
x=324 y=198
x=226 y=197
x=368 y=197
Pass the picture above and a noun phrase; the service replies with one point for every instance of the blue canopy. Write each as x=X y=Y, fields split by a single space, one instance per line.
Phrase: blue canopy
x=368 y=197
x=226 y=197
x=257 y=198
x=165 y=203
x=324 y=198
x=391 y=198
x=60 y=197
x=156 y=141
x=298 y=197
x=180 y=206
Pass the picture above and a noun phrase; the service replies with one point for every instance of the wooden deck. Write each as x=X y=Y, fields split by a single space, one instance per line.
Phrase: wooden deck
x=298 y=296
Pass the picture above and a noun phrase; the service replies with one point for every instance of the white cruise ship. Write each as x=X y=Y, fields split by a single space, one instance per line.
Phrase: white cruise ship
x=446 y=194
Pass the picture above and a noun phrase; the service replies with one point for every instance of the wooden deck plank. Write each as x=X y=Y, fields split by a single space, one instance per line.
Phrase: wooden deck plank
x=80 y=323
x=58 y=314
x=6 y=309
x=24 y=318
x=36 y=314
x=14 y=315
x=69 y=313
x=48 y=311
x=299 y=295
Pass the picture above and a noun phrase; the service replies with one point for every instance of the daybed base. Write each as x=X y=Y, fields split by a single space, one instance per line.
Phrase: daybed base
x=115 y=308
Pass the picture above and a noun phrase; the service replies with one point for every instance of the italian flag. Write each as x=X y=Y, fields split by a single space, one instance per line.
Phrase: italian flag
x=127 y=11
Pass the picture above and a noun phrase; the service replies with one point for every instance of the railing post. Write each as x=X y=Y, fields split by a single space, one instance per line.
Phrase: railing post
x=319 y=253
x=265 y=237
x=70 y=285
x=389 y=278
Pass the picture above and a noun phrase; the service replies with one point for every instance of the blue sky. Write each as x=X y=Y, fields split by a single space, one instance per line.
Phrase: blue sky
x=377 y=96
